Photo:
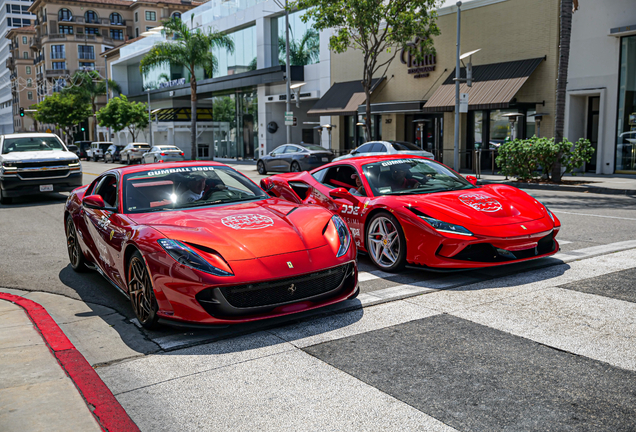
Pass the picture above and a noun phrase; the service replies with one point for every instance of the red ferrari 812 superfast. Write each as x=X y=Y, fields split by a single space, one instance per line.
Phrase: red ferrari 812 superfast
x=200 y=243
x=419 y=212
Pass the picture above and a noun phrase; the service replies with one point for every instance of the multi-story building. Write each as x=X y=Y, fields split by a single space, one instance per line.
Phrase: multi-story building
x=22 y=77
x=13 y=14
x=70 y=35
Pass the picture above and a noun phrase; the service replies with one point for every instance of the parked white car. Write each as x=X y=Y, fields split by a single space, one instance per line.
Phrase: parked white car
x=97 y=149
x=377 y=148
x=32 y=163
x=163 y=153
x=133 y=152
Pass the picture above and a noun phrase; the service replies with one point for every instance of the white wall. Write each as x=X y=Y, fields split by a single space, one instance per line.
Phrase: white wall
x=593 y=71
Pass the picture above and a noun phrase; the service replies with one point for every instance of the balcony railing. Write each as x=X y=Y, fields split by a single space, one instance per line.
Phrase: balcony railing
x=53 y=73
x=57 y=36
x=88 y=37
x=86 y=55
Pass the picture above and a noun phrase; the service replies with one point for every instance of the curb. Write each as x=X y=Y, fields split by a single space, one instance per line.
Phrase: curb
x=580 y=189
x=110 y=415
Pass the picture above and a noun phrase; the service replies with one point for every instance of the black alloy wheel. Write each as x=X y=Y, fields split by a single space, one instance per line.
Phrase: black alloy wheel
x=260 y=166
x=75 y=254
x=295 y=167
x=142 y=296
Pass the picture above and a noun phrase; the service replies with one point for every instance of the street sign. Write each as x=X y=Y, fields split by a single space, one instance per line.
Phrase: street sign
x=463 y=103
x=289 y=118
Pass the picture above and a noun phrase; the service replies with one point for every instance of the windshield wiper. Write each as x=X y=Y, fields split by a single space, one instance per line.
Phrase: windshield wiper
x=201 y=204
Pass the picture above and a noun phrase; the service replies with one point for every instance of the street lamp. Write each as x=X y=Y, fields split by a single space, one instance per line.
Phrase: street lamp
x=149 y=120
x=287 y=65
x=296 y=89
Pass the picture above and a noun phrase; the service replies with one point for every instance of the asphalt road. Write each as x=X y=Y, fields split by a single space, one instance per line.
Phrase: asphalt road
x=545 y=345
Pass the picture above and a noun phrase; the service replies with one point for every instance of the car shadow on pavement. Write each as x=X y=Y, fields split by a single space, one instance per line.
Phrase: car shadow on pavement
x=108 y=303
x=36 y=200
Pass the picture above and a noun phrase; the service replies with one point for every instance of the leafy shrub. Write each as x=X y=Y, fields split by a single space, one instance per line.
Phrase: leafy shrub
x=535 y=157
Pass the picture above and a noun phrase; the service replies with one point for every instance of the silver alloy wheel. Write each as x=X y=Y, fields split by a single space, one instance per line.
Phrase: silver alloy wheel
x=295 y=167
x=71 y=243
x=140 y=290
x=383 y=242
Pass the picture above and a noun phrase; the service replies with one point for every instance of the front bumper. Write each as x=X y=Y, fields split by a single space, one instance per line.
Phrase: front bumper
x=13 y=186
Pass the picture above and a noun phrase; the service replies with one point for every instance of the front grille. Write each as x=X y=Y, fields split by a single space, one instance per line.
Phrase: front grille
x=43 y=174
x=288 y=290
x=39 y=164
x=485 y=252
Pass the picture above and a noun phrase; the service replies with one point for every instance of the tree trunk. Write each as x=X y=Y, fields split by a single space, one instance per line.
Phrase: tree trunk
x=562 y=80
x=193 y=117
x=367 y=92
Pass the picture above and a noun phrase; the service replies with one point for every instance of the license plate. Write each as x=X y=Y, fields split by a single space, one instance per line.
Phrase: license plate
x=46 y=188
x=325 y=159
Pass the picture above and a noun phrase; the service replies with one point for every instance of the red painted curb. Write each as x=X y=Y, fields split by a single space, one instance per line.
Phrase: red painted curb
x=110 y=415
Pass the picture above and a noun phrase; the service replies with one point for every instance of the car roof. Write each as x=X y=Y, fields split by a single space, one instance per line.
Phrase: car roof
x=129 y=169
x=101 y=142
x=34 y=134
x=362 y=160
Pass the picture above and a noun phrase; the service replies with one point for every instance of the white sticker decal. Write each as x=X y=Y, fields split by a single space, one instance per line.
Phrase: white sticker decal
x=247 y=221
x=481 y=202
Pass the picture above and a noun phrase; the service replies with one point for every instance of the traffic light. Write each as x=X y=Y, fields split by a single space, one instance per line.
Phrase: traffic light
x=83 y=129
x=21 y=112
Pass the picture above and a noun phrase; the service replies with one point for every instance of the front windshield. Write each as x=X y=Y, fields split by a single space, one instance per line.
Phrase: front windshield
x=187 y=187
x=24 y=144
x=412 y=176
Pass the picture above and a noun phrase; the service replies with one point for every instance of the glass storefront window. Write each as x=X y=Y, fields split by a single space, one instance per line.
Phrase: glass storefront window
x=500 y=127
x=626 y=127
x=478 y=128
x=243 y=58
x=304 y=46
x=531 y=124
x=235 y=125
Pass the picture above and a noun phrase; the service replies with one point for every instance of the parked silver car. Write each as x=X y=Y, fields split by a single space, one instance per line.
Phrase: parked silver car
x=133 y=152
x=294 y=157
x=377 y=148
x=163 y=153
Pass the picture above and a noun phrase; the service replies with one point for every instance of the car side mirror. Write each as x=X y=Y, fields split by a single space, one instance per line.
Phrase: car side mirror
x=353 y=152
x=472 y=180
x=342 y=193
x=96 y=202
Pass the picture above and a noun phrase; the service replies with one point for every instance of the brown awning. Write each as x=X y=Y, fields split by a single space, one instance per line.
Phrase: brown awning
x=342 y=99
x=494 y=86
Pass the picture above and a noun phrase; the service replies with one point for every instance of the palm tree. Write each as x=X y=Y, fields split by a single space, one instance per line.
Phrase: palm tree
x=301 y=53
x=90 y=85
x=191 y=49
x=567 y=8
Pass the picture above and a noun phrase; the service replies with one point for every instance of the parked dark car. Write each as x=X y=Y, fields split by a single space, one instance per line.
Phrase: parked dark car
x=294 y=158
x=83 y=147
x=113 y=153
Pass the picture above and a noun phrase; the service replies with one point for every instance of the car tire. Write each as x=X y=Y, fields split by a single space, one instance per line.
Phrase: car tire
x=5 y=199
x=127 y=159
x=155 y=160
x=385 y=242
x=95 y=159
x=260 y=167
x=295 y=167
x=75 y=255
x=141 y=293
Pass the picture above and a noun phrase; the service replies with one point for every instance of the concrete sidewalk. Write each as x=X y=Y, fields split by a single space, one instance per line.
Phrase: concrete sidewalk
x=616 y=184
x=35 y=392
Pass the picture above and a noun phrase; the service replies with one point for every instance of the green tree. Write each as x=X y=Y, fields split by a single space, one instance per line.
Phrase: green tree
x=377 y=28
x=90 y=85
x=190 y=48
x=120 y=113
x=303 y=52
x=64 y=110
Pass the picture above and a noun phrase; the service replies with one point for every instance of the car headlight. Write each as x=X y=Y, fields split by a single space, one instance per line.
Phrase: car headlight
x=186 y=256
x=74 y=163
x=343 y=235
x=548 y=210
x=446 y=227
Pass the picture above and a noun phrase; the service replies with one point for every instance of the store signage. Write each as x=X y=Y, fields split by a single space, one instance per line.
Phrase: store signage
x=180 y=81
x=420 y=65
x=463 y=102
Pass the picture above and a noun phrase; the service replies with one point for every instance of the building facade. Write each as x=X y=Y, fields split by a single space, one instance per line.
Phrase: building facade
x=241 y=106
x=70 y=35
x=13 y=14
x=514 y=79
x=601 y=92
x=23 y=87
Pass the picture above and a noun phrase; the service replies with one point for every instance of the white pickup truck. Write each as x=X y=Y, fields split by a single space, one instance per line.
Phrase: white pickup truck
x=33 y=163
